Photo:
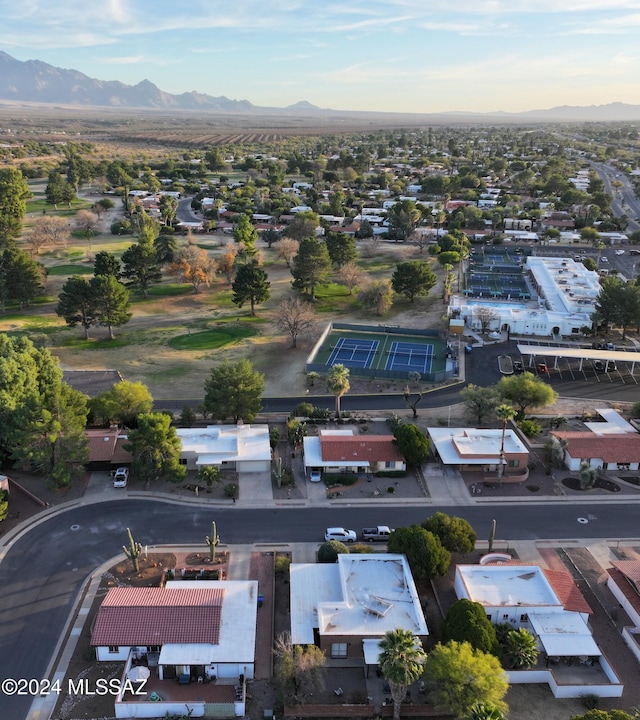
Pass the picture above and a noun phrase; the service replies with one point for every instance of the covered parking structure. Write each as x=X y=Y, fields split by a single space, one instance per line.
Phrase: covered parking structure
x=575 y=353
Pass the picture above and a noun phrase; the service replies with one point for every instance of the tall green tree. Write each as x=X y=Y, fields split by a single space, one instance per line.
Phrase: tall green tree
x=311 y=266
x=467 y=621
x=412 y=443
x=156 y=448
x=76 y=304
x=245 y=234
x=42 y=419
x=401 y=662
x=251 y=284
x=338 y=383
x=140 y=265
x=425 y=554
x=456 y=534
x=462 y=676
x=234 y=390
x=480 y=401
x=166 y=247
x=504 y=413
x=112 y=306
x=14 y=193
x=413 y=278
x=123 y=403
x=525 y=391
x=402 y=217
x=105 y=263
x=21 y=277
x=341 y=248
x=50 y=437
x=303 y=226
x=168 y=208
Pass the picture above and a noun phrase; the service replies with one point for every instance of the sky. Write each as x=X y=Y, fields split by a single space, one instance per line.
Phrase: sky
x=370 y=55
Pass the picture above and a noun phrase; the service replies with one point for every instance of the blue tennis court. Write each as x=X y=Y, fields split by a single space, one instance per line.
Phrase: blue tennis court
x=353 y=353
x=409 y=357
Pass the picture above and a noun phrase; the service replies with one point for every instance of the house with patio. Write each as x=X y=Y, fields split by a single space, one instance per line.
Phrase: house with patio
x=193 y=642
x=550 y=606
x=347 y=607
x=342 y=451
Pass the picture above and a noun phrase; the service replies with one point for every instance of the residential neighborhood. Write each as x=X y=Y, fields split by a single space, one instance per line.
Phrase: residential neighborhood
x=342 y=397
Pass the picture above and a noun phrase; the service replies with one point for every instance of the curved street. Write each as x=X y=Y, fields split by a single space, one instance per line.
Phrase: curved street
x=44 y=570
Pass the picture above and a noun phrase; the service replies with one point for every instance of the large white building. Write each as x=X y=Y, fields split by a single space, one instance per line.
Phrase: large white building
x=244 y=448
x=566 y=294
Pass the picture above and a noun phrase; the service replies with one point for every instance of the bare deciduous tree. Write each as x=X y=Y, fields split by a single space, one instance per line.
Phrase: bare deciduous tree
x=227 y=260
x=287 y=249
x=296 y=317
x=352 y=276
x=195 y=266
x=299 y=670
x=486 y=316
x=48 y=230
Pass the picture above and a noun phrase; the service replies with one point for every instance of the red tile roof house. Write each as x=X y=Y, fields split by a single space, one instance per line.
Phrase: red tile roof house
x=340 y=451
x=204 y=635
x=611 y=451
x=106 y=448
x=624 y=583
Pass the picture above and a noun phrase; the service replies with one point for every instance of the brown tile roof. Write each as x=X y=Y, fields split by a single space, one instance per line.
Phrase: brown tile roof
x=611 y=448
x=365 y=448
x=102 y=444
x=629 y=568
x=626 y=588
x=567 y=592
x=157 y=616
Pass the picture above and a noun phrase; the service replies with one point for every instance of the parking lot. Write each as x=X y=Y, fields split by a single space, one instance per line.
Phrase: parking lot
x=610 y=380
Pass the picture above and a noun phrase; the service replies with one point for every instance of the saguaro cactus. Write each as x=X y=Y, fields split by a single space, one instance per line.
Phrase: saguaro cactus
x=133 y=552
x=212 y=541
x=492 y=535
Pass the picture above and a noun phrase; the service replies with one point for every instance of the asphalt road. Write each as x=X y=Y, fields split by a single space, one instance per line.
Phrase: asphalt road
x=42 y=573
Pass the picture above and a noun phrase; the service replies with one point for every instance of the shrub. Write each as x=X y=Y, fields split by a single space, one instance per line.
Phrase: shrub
x=360 y=549
x=320 y=413
x=282 y=564
x=530 y=428
x=590 y=700
x=304 y=409
x=231 y=490
x=344 y=479
x=328 y=552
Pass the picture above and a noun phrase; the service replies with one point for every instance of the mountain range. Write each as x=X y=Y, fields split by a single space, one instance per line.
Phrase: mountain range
x=34 y=81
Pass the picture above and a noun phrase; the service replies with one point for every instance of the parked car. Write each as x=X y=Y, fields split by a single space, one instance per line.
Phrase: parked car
x=542 y=368
x=517 y=366
x=379 y=533
x=340 y=534
x=619 y=252
x=315 y=476
x=120 y=477
x=610 y=346
x=611 y=366
x=604 y=260
x=598 y=365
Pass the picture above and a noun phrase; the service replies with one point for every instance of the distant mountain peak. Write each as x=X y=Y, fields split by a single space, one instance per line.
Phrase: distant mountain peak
x=302 y=105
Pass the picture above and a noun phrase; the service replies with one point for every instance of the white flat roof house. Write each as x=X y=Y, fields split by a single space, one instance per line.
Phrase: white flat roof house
x=348 y=606
x=548 y=604
x=479 y=449
x=244 y=448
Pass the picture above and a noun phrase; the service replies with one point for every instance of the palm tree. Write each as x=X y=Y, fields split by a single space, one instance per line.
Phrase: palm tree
x=401 y=661
x=505 y=413
x=485 y=711
x=521 y=649
x=338 y=383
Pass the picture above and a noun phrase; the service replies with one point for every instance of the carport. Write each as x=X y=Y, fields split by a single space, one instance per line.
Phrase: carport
x=581 y=354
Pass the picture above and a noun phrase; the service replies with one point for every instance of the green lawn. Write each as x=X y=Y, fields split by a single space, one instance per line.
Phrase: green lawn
x=40 y=205
x=212 y=339
x=333 y=298
x=66 y=270
x=100 y=343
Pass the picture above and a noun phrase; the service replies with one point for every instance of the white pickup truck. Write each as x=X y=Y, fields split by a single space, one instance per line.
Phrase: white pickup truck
x=379 y=533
